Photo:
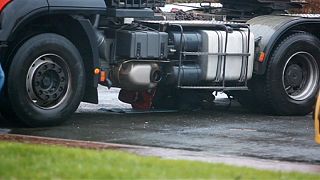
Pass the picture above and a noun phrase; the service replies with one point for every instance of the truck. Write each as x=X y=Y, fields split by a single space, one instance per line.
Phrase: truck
x=55 y=53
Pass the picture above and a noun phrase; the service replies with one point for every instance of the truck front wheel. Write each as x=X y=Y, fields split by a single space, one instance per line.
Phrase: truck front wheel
x=46 y=80
x=292 y=79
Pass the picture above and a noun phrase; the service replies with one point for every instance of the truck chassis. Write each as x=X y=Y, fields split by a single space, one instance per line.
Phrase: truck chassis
x=55 y=53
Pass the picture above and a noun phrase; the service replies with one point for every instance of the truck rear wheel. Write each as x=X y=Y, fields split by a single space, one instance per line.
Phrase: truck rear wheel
x=254 y=99
x=292 y=78
x=46 y=80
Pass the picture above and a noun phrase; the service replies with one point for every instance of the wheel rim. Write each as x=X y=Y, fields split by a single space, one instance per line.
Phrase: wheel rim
x=300 y=76
x=48 y=81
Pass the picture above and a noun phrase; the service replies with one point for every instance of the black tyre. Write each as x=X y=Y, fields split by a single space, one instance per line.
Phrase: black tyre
x=46 y=80
x=292 y=78
x=247 y=100
x=254 y=99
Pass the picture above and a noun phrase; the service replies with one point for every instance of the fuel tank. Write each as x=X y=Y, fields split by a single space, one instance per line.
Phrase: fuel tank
x=236 y=67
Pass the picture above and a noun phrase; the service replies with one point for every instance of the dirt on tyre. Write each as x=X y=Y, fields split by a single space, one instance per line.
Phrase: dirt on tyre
x=292 y=79
x=46 y=80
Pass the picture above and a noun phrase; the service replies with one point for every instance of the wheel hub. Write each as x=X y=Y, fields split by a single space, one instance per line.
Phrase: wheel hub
x=301 y=76
x=48 y=81
x=294 y=75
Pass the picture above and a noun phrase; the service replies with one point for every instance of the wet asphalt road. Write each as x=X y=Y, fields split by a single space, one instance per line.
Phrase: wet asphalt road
x=222 y=131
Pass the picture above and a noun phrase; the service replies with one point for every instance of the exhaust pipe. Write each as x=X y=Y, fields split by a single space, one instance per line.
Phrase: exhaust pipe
x=156 y=76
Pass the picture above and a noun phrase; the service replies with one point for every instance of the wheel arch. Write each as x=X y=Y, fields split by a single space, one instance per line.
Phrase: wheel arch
x=277 y=32
x=77 y=29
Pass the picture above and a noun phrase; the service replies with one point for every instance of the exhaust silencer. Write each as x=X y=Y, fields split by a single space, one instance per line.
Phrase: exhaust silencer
x=137 y=76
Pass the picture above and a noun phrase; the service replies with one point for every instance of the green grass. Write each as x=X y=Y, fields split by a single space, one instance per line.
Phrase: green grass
x=25 y=161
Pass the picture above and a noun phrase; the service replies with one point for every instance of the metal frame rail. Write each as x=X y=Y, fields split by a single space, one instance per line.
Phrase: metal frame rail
x=222 y=55
x=135 y=3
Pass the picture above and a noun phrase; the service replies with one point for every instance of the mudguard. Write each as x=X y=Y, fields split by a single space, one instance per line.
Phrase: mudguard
x=269 y=29
x=19 y=12
x=91 y=94
x=16 y=12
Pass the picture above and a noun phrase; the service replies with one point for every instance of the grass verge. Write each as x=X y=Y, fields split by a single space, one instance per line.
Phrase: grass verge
x=26 y=161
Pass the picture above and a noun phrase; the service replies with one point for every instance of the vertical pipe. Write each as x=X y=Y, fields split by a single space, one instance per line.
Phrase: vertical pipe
x=181 y=53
